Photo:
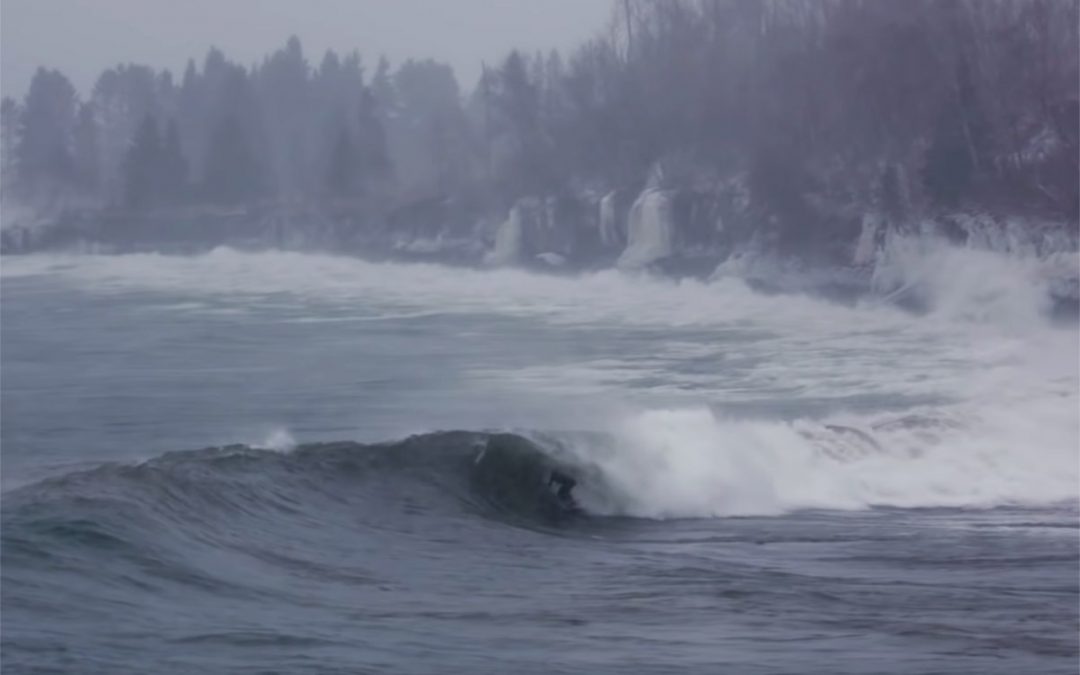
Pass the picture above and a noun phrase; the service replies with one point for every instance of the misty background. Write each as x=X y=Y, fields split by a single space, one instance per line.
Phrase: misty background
x=84 y=37
x=674 y=135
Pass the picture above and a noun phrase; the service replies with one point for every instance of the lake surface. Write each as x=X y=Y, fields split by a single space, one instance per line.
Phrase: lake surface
x=284 y=462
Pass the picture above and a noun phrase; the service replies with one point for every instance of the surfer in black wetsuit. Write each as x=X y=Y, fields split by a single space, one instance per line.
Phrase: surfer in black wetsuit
x=564 y=484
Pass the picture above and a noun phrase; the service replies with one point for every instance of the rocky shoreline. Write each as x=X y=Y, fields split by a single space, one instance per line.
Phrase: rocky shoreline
x=673 y=231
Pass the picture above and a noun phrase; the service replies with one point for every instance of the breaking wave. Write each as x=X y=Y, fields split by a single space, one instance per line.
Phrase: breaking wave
x=976 y=284
x=696 y=463
x=658 y=464
x=1004 y=429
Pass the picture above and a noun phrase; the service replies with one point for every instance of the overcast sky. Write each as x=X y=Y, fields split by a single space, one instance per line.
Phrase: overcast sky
x=83 y=37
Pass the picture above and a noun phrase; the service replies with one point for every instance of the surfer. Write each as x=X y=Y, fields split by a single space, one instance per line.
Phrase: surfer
x=564 y=485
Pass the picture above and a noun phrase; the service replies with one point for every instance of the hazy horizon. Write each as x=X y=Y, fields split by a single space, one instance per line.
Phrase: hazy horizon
x=97 y=34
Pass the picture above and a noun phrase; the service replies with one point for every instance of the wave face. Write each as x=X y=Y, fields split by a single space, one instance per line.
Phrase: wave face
x=484 y=475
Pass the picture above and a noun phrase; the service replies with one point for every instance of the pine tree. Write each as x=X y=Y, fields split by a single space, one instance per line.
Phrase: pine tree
x=382 y=88
x=142 y=166
x=87 y=149
x=232 y=174
x=371 y=142
x=9 y=135
x=344 y=172
x=44 y=151
x=174 y=167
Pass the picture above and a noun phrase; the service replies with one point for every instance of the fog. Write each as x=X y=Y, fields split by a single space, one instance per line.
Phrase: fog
x=83 y=37
x=540 y=336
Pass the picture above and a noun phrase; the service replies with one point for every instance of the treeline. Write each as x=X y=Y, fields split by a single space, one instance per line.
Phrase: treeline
x=225 y=134
x=919 y=104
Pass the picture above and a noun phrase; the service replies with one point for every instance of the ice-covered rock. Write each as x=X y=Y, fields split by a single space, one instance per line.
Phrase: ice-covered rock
x=509 y=247
x=540 y=227
x=866 y=247
x=612 y=221
x=650 y=229
x=551 y=259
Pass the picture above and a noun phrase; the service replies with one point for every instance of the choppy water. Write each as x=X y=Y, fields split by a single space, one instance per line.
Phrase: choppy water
x=242 y=462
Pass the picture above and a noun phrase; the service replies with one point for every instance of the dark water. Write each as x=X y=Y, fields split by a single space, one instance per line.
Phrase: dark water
x=126 y=549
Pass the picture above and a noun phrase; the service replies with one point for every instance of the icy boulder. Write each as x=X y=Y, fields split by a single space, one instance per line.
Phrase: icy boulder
x=550 y=259
x=650 y=229
x=538 y=227
x=867 y=245
x=509 y=248
x=612 y=222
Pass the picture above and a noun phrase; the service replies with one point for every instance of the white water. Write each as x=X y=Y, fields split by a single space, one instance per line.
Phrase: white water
x=972 y=283
x=998 y=421
x=687 y=463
